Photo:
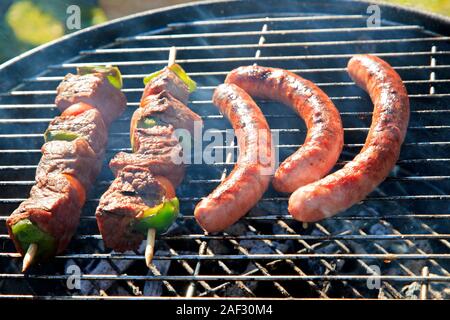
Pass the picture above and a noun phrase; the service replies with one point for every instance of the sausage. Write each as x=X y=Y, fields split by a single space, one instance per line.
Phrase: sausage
x=325 y=137
x=250 y=177
x=352 y=183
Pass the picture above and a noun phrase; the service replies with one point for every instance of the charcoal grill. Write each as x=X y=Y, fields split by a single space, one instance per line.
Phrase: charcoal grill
x=399 y=235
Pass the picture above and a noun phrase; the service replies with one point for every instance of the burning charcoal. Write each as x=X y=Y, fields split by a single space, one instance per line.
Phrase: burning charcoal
x=105 y=267
x=235 y=290
x=384 y=293
x=412 y=291
x=218 y=247
x=238 y=228
x=379 y=229
x=283 y=246
x=439 y=291
x=316 y=265
x=120 y=291
x=256 y=246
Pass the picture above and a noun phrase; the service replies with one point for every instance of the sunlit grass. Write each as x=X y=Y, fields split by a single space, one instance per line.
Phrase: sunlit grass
x=32 y=25
x=98 y=16
x=437 y=6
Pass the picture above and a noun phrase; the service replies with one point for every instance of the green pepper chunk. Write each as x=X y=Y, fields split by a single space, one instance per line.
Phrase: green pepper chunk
x=179 y=71
x=60 y=135
x=147 y=123
x=27 y=233
x=159 y=217
x=112 y=74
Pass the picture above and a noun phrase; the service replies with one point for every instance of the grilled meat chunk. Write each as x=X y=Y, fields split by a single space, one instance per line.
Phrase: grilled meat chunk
x=158 y=150
x=133 y=190
x=168 y=81
x=93 y=89
x=53 y=206
x=72 y=157
x=166 y=109
x=156 y=146
x=88 y=125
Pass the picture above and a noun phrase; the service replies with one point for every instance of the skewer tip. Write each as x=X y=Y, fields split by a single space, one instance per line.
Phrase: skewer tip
x=172 y=56
x=29 y=257
x=149 y=249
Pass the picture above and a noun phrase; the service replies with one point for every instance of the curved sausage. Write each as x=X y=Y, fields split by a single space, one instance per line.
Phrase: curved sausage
x=250 y=177
x=351 y=184
x=325 y=137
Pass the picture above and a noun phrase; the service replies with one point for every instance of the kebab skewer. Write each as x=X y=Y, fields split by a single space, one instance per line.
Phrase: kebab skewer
x=72 y=155
x=141 y=202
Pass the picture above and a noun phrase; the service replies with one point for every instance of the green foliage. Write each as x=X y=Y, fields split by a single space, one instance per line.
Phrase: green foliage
x=437 y=6
x=29 y=23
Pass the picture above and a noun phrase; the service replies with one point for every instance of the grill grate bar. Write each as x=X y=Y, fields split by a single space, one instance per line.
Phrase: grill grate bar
x=411 y=96
x=349 y=145
x=433 y=278
x=212 y=73
x=241 y=59
x=423 y=216
x=200 y=88
x=120 y=134
x=269 y=32
x=283 y=199
x=216 y=181
x=283 y=237
x=265 y=20
x=265 y=45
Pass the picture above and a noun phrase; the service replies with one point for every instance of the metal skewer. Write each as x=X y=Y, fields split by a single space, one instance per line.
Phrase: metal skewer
x=150 y=247
x=29 y=256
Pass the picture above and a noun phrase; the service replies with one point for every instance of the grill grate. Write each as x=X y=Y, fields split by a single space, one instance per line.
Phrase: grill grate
x=402 y=228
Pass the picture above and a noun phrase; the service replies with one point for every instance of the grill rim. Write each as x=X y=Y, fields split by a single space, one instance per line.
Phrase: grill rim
x=12 y=71
x=423 y=278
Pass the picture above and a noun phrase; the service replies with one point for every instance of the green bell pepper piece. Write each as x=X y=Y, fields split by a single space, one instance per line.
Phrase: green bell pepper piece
x=179 y=71
x=60 y=135
x=159 y=217
x=112 y=74
x=27 y=233
x=147 y=123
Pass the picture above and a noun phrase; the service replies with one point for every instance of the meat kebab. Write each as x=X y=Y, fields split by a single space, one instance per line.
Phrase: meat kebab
x=72 y=155
x=351 y=184
x=141 y=201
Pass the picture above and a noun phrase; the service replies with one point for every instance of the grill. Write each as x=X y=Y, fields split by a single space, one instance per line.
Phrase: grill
x=394 y=244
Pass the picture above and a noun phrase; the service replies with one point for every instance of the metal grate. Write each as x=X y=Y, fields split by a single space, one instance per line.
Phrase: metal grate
x=402 y=229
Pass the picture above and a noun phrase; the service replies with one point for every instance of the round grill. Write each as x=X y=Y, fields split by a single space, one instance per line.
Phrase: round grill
x=400 y=231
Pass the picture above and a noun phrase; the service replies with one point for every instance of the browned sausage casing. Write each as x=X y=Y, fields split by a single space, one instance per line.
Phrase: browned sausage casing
x=351 y=184
x=250 y=177
x=325 y=137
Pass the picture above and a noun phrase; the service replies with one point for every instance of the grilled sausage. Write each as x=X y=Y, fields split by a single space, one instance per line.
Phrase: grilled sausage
x=325 y=137
x=351 y=184
x=250 y=177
